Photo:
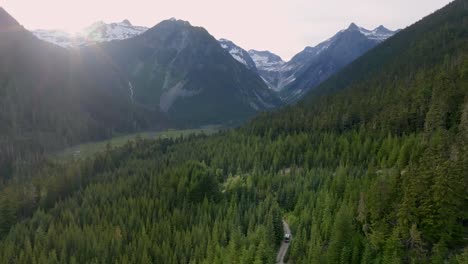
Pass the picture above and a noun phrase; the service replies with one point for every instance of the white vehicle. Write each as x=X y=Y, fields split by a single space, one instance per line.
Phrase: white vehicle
x=287 y=238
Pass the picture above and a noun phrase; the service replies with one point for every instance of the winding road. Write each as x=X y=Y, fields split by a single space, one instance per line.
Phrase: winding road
x=284 y=246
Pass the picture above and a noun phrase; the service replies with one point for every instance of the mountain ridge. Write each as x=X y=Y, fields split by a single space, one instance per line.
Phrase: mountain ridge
x=7 y=22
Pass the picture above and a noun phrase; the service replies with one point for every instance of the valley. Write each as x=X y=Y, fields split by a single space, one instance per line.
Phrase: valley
x=354 y=151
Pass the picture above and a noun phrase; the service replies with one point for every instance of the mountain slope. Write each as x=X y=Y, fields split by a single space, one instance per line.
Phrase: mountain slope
x=411 y=95
x=396 y=68
x=183 y=71
x=238 y=53
x=51 y=97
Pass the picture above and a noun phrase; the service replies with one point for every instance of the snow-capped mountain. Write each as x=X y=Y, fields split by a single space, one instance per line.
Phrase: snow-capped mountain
x=379 y=34
x=101 y=32
x=57 y=37
x=266 y=60
x=238 y=53
x=97 y=32
x=313 y=65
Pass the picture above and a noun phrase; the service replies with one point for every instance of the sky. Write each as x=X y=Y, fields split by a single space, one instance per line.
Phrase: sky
x=284 y=27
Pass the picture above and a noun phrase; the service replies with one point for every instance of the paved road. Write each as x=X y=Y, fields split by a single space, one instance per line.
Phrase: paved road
x=284 y=246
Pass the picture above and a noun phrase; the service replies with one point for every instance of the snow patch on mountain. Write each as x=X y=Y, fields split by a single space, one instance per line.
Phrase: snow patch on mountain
x=238 y=53
x=239 y=58
x=379 y=34
x=266 y=60
x=169 y=96
x=57 y=37
x=102 y=32
x=95 y=33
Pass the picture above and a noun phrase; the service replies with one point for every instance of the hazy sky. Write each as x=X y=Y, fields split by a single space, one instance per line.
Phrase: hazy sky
x=282 y=26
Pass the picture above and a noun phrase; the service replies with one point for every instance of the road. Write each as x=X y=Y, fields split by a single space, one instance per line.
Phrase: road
x=284 y=246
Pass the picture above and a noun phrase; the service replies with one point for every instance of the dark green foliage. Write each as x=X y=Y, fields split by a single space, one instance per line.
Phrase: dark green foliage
x=175 y=214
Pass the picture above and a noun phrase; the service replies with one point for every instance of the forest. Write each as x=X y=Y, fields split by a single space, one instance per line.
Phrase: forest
x=370 y=168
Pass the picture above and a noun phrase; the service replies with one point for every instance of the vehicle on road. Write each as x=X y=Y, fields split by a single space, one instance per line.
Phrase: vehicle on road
x=287 y=238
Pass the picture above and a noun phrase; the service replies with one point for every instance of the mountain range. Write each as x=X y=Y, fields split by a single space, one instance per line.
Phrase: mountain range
x=289 y=80
x=310 y=67
x=172 y=75
x=118 y=78
x=53 y=97
x=168 y=66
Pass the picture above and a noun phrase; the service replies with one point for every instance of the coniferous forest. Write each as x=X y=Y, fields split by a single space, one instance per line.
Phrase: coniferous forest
x=371 y=167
